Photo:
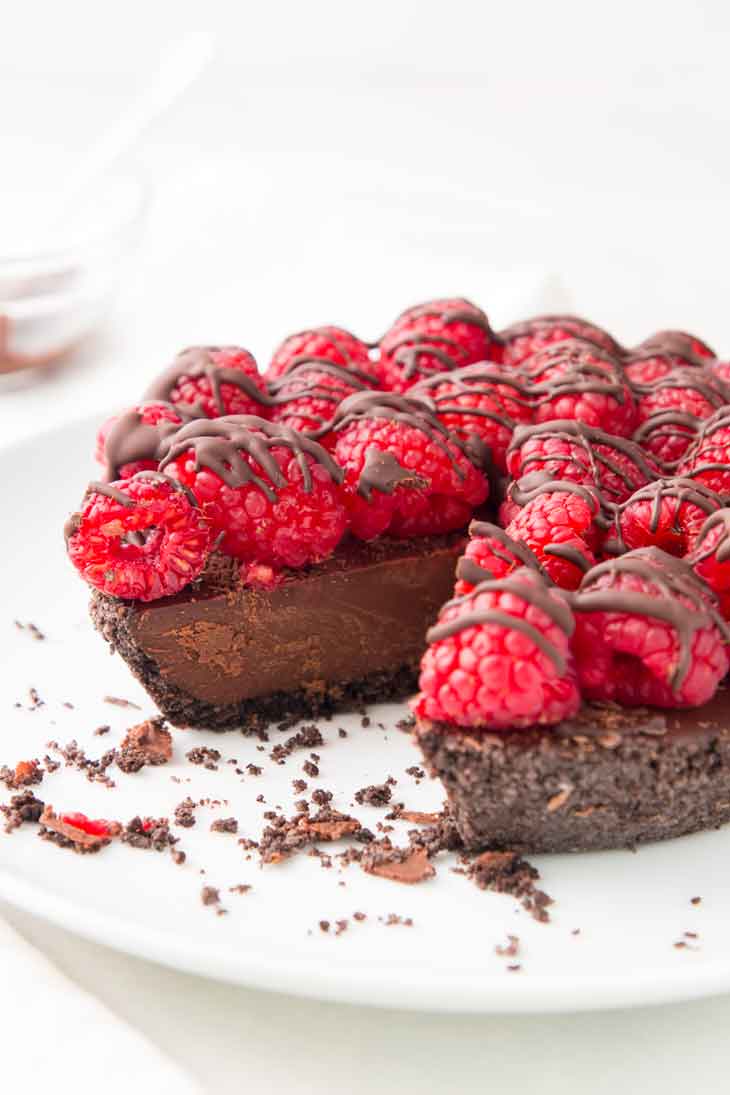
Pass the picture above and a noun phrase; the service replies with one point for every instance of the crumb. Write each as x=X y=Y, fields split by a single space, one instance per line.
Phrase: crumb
x=310 y=768
x=74 y=757
x=321 y=797
x=241 y=888
x=299 y=785
x=510 y=949
x=101 y=730
x=21 y=809
x=341 y=732
x=285 y=836
x=507 y=872
x=324 y=925
x=178 y=856
x=149 y=833
x=201 y=755
x=115 y=701
x=224 y=825
x=35 y=700
x=184 y=813
x=25 y=774
x=695 y=900
x=408 y=865
x=254 y=770
x=33 y=631
x=340 y=926
x=209 y=895
x=147 y=743
x=377 y=794
x=359 y=916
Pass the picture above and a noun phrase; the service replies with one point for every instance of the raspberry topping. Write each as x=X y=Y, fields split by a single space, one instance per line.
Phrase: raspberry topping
x=667 y=435
x=557 y=526
x=499 y=657
x=479 y=399
x=581 y=454
x=322 y=345
x=708 y=460
x=490 y=553
x=574 y=379
x=648 y=633
x=307 y=396
x=647 y=366
x=677 y=342
x=522 y=340
x=131 y=442
x=211 y=381
x=270 y=493
x=710 y=556
x=405 y=473
x=140 y=538
x=432 y=338
x=666 y=514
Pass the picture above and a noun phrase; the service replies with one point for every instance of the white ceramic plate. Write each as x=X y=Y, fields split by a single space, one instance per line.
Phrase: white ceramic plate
x=630 y=908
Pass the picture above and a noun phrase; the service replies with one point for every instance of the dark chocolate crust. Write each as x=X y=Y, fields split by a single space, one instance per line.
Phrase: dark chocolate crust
x=609 y=778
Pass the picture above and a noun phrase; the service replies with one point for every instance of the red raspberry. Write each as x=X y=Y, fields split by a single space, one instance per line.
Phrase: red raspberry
x=307 y=396
x=666 y=514
x=651 y=365
x=92 y=826
x=710 y=557
x=574 y=379
x=648 y=633
x=581 y=454
x=499 y=657
x=556 y=526
x=212 y=381
x=270 y=492
x=524 y=339
x=405 y=473
x=129 y=442
x=667 y=435
x=489 y=553
x=677 y=342
x=433 y=338
x=481 y=400
x=140 y=538
x=721 y=370
x=708 y=460
x=319 y=344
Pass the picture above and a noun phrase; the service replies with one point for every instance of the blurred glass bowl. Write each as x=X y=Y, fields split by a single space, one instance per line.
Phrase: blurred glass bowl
x=57 y=283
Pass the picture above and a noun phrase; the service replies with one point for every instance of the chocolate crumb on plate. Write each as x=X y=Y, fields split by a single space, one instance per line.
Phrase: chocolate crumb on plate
x=58 y=831
x=101 y=730
x=254 y=769
x=117 y=701
x=241 y=888
x=324 y=925
x=35 y=700
x=147 y=743
x=408 y=865
x=284 y=836
x=224 y=825
x=149 y=833
x=508 y=873
x=22 y=808
x=32 y=630
x=209 y=895
x=25 y=774
x=377 y=794
x=310 y=768
x=185 y=813
x=510 y=949
x=695 y=900
x=321 y=797
x=207 y=758
x=340 y=926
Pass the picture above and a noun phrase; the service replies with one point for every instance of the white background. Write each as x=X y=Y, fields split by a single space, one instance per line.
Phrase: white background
x=338 y=162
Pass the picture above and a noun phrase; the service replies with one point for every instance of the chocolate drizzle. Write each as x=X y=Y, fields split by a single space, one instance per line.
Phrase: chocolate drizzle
x=679 y=487
x=218 y=444
x=720 y=420
x=480 y=379
x=531 y=486
x=721 y=547
x=196 y=362
x=411 y=350
x=536 y=594
x=418 y=412
x=584 y=373
x=679 y=343
x=130 y=439
x=303 y=381
x=382 y=472
x=111 y=490
x=591 y=442
x=664 y=427
x=577 y=327
x=680 y=599
x=502 y=546
x=696 y=379
x=331 y=335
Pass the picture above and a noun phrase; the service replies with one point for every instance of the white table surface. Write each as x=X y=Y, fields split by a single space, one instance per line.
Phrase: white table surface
x=290 y=193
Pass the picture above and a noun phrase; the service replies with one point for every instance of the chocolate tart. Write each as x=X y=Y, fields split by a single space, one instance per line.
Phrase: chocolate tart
x=345 y=632
x=609 y=778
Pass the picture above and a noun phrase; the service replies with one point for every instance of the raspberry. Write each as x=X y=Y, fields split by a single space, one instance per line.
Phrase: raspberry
x=269 y=492
x=306 y=397
x=667 y=435
x=666 y=514
x=212 y=381
x=581 y=454
x=94 y=827
x=648 y=633
x=574 y=379
x=721 y=370
x=140 y=538
x=321 y=344
x=489 y=553
x=433 y=338
x=648 y=366
x=405 y=473
x=677 y=342
x=499 y=657
x=708 y=460
x=524 y=339
x=556 y=526
x=481 y=400
x=129 y=442
x=710 y=556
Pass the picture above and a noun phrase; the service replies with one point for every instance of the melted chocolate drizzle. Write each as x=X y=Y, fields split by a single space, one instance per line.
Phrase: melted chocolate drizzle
x=679 y=487
x=480 y=379
x=302 y=381
x=111 y=490
x=537 y=594
x=470 y=571
x=588 y=438
x=697 y=379
x=218 y=444
x=531 y=486
x=197 y=362
x=417 y=412
x=313 y=359
x=583 y=374
x=579 y=328
x=681 y=598
x=668 y=424
x=701 y=550
x=408 y=349
x=130 y=439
